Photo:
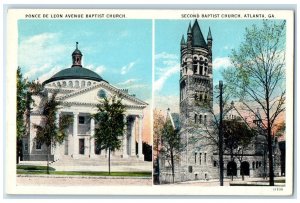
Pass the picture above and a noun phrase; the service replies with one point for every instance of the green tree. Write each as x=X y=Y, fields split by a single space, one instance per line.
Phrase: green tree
x=21 y=108
x=171 y=145
x=257 y=77
x=110 y=125
x=51 y=131
x=158 y=122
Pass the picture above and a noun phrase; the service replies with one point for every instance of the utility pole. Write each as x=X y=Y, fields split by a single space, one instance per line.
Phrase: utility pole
x=221 y=134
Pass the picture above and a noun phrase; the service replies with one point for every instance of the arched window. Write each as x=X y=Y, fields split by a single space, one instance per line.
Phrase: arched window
x=205 y=119
x=253 y=165
x=76 y=83
x=200 y=155
x=82 y=84
x=201 y=69
x=200 y=118
x=195 y=67
x=64 y=84
x=70 y=84
x=89 y=83
x=195 y=118
x=205 y=97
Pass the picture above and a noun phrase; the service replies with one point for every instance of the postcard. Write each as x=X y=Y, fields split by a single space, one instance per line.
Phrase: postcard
x=149 y=102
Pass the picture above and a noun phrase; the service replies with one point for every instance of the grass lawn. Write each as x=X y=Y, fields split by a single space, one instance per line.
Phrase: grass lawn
x=40 y=170
x=34 y=168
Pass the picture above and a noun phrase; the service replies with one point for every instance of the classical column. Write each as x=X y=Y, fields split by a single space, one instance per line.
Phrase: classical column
x=132 y=151
x=54 y=150
x=140 y=144
x=75 y=133
x=92 y=139
x=125 y=153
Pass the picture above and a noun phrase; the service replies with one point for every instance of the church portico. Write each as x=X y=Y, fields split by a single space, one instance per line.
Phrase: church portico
x=80 y=142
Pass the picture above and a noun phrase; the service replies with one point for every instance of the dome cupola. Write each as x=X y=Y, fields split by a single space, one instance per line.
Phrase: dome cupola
x=76 y=71
x=77 y=56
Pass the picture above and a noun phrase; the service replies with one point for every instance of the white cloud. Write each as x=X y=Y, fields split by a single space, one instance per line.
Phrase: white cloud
x=164 y=55
x=39 y=54
x=131 y=84
x=221 y=62
x=166 y=66
x=127 y=68
x=169 y=71
x=50 y=73
x=128 y=82
x=98 y=69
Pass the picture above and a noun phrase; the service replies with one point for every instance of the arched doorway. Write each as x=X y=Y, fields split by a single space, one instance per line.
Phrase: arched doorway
x=231 y=168
x=245 y=168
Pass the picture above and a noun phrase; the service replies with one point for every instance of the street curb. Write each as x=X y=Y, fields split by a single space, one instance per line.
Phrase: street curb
x=80 y=176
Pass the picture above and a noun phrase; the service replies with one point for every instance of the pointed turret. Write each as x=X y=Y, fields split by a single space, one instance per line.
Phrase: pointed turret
x=198 y=39
x=189 y=38
x=189 y=29
x=209 y=37
x=209 y=43
x=182 y=40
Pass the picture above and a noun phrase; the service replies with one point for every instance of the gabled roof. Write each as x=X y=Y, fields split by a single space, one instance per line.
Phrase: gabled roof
x=174 y=118
x=109 y=87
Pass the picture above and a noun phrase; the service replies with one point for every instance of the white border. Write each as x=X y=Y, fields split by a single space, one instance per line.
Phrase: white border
x=12 y=47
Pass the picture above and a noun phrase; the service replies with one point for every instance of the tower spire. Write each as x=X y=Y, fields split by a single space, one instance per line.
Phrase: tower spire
x=189 y=29
x=76 y=45
x=209 y=37
x=182 y=40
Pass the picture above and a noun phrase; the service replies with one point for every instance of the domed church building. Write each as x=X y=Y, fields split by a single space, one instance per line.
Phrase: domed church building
x=79 y=91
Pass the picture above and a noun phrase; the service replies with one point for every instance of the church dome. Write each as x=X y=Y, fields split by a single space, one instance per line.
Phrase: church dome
x=76 y=71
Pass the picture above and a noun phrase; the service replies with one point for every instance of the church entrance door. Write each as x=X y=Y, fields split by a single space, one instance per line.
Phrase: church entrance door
x=81 y=146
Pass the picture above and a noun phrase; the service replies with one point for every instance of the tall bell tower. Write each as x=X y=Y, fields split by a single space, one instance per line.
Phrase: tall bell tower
x=196 y=83
x=196 y=101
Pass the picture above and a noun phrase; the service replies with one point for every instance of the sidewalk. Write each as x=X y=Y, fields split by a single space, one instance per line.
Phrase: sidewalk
x=216 y=182
x=80 y=181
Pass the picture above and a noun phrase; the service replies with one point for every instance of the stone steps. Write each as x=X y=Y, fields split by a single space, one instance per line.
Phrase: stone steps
x=130 y=161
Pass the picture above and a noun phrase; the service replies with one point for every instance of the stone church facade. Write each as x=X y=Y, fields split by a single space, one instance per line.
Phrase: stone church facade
x=199 y=160
x=79 y=91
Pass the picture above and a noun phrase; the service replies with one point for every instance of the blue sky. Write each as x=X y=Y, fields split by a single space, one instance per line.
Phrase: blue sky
x=120 y=51
x=227 y=35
